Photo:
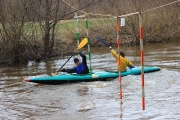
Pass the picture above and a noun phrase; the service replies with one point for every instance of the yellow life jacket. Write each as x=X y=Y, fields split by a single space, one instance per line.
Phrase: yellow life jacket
x=124 y=62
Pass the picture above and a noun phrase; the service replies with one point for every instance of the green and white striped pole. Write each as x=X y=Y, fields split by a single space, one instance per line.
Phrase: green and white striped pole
x=89 y=53
x=77 y=30
x=78 y=38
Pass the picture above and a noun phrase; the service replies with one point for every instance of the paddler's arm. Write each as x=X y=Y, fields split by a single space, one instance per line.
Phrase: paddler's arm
x=72 y=70
x=129 y=63
x=83 y=57
x=113 y=52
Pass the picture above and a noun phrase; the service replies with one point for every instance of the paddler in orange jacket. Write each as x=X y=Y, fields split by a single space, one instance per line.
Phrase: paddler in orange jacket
x=124 y=62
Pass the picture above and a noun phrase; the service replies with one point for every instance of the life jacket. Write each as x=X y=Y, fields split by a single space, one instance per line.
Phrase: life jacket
x=124 y=62
x=82 y=69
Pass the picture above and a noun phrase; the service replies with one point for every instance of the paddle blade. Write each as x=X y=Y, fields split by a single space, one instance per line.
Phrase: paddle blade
x=82 y=43
x=54 y=74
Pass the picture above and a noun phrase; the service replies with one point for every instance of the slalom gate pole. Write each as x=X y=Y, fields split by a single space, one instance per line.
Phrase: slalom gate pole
x=89 y=53
x=142 y=60
x=77 y=30
x=119 y=61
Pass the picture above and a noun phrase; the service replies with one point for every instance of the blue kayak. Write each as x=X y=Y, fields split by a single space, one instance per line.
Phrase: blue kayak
x=96 y=76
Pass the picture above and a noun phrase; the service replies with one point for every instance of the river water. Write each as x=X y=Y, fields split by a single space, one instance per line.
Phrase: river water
x=20 y=100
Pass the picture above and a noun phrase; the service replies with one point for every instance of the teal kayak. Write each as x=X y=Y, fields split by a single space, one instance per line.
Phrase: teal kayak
x=96 y=76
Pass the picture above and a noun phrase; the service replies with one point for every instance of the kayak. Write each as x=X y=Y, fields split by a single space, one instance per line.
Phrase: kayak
x=95 y=76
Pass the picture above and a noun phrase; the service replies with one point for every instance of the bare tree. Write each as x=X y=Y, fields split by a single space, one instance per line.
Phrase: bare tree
x=12 y=20
x=19 y=20
x=48 y=14
x=159 y=23
x=28 y=28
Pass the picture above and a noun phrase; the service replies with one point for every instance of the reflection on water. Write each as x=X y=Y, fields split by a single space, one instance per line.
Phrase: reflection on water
x=95 y=100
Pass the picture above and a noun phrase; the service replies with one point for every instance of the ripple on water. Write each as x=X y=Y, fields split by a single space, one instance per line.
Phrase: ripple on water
x=95 y=100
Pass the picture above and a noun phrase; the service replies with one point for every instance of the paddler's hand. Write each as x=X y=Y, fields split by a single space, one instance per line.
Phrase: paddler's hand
x=110 y=47
x=131 y=67
x=59 y=70
x=75 y=51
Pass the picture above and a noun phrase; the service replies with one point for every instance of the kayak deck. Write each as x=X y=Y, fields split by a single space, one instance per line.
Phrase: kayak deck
x=96 y=76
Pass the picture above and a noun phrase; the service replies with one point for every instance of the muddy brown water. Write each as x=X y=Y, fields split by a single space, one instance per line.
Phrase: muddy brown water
x=20 y=100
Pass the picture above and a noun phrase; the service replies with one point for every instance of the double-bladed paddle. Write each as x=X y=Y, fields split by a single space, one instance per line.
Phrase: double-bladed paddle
x=81 y=44
x=102 y=41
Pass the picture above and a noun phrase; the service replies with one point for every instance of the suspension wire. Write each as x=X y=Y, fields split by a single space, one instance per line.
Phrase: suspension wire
x=129 y=14
x=161 y=6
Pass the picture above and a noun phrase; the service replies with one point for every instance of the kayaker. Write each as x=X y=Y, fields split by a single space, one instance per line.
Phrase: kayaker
x=81 y=67
x=124 y=62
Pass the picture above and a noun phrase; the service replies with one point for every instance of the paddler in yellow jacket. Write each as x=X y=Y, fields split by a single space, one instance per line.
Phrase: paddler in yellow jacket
x=124 y=62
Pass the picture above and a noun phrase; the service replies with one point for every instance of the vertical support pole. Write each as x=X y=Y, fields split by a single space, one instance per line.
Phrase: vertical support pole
x=118 y=43
x=142 y=60
x=89 y=53
x=77 y=30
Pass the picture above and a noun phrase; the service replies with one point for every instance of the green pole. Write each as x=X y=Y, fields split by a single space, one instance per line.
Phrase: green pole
x=89 y=53
x=77 y=30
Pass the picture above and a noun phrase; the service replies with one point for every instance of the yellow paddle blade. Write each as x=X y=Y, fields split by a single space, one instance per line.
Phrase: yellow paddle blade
x=82 y=43
x=55 y=74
